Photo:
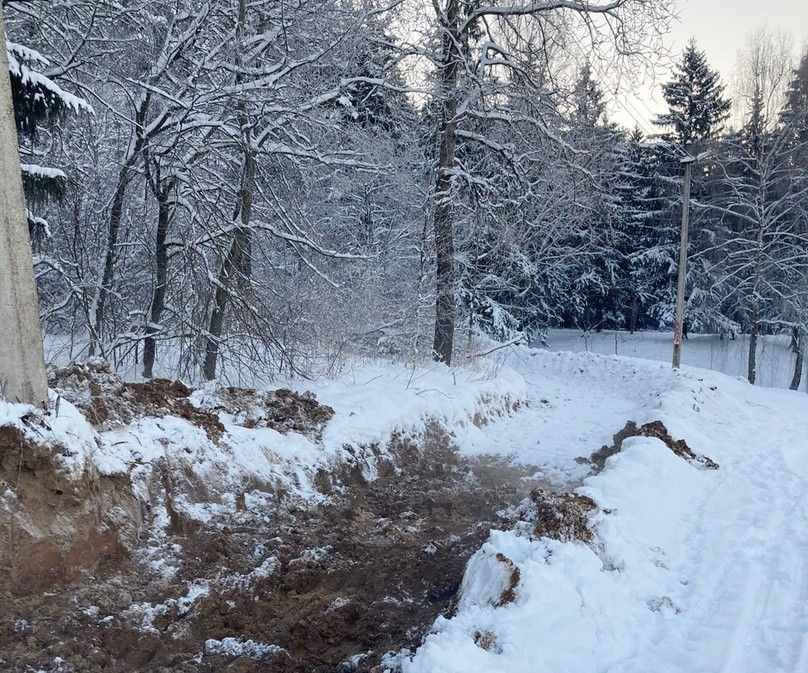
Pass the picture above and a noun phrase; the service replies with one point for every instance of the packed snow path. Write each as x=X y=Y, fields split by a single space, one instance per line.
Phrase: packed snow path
x=695 y=570
x=575 y=407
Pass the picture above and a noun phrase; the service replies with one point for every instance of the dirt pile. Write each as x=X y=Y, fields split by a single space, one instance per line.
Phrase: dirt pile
x=654 y=429
x=282 y=410
x=109 y=402
x=563 y=516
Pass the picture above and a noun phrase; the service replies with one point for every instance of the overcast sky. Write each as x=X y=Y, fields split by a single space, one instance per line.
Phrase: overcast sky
x=721 y=28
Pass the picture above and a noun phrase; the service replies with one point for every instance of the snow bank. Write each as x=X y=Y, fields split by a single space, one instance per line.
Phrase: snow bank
x=208 y=472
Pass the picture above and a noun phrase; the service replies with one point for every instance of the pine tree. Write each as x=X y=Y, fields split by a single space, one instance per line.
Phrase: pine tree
x=38 y=103
x=794 y=115
x=648 y=243
x=697 y=108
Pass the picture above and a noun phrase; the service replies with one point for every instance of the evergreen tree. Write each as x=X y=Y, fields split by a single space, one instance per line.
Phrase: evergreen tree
x=794 y=116
x=39 y=102
x=697 y=108
x=596 y=281
x=648 y=243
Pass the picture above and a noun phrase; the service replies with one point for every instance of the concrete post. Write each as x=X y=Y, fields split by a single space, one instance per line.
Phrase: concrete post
x=680 y=287
x=22 y=363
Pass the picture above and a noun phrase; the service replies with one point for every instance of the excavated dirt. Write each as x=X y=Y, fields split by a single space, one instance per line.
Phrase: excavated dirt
x=94 y=580
x=53 y=528
x=563 y=516
x=108 y=402
x=282 y=410
x=330 y=588
x=654 y=429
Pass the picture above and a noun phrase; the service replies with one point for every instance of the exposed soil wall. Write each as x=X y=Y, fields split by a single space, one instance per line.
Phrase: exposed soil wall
x=278 y=588
x=54 y=528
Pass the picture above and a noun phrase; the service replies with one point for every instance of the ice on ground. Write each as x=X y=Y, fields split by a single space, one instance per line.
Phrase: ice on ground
x=233 y=647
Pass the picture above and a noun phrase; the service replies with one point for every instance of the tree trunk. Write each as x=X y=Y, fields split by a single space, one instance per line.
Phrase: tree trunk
x=233 y=261
x=22 y=364
x=753 y=337
x=635 y=307
x=798 y=345
x=113 y=229
x=443 y=222
x=160 y=282
x=230 y=267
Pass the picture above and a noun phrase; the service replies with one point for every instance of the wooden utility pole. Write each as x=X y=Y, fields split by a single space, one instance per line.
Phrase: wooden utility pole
x=688 y=161
x=22 y=363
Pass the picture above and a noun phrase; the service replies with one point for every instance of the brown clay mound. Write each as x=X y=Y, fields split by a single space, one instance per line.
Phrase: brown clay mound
x=281 y=410
x=563 y=516
x=654 y=429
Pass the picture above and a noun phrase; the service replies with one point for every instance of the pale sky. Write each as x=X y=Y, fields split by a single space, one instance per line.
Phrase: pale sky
x=721 y=28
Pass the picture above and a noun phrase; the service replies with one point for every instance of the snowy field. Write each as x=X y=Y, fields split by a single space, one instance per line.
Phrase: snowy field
x=775 y=360
x=690 y=570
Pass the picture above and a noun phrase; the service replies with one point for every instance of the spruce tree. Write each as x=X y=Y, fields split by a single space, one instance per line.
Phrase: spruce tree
x=697 y=108
x=39 y=102
x=794 y=116
x=649 y=244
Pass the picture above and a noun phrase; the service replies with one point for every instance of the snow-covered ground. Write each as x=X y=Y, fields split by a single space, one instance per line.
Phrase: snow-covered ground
x=693 y=569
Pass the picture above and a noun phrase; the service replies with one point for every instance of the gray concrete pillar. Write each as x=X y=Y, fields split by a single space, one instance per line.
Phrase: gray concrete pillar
x=22 y=363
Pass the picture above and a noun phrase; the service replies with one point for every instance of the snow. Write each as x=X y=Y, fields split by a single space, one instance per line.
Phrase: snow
x=775 y=359
x=693 y=570
x=43 y=171
x=371 y=404
x=232 y=647
x=19 y=54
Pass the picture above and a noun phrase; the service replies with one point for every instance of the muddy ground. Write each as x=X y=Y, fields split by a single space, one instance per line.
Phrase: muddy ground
x=289 y=588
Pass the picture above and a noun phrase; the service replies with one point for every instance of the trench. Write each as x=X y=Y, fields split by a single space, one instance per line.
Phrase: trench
x=344 y=583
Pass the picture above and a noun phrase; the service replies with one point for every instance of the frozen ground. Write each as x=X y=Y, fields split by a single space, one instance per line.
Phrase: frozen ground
x=689 y=570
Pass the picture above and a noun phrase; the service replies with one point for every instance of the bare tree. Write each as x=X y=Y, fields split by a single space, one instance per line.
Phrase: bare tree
x=764 y=239
x=471 y=48
x=763 y=68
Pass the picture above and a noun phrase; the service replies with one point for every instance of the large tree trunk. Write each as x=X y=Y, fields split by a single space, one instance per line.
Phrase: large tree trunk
x=443 y=222
x=798 y=346
x=22 y=364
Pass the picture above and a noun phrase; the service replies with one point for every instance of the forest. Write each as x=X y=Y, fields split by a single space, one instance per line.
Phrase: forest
x=216 y=186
